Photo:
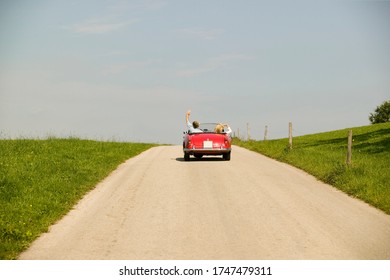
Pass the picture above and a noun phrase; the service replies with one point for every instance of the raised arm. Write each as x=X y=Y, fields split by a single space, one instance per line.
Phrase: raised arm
x=188 y=116
x=228 y=130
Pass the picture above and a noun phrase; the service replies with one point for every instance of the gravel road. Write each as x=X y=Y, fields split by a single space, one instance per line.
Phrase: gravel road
x=156 y=206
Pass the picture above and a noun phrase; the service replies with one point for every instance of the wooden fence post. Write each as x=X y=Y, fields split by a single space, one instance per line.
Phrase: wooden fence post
x=290 y=141
x=266 y=133
x=349 y=151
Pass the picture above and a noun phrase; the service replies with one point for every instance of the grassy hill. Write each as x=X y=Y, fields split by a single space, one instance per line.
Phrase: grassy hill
x=324 y=156
x=41 y=180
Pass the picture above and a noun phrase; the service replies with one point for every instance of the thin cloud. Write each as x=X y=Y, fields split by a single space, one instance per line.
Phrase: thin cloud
x=114 y=69
x=201 y=33
x=213 y=64
x=98 y=27
x=138 y=5
x=117 y=53
x=118 y=68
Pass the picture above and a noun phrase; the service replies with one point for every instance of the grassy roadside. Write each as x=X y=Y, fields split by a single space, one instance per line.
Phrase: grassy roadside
x=41 y=180
x=324 y=155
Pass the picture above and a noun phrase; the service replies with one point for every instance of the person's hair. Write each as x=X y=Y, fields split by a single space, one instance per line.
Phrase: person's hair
x=195 y=124
x=218 y=128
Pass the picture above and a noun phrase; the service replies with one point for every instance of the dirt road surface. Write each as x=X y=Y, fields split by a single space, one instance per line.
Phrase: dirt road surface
x=157 y=206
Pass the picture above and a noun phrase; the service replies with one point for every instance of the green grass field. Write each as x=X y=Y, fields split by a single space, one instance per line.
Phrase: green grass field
x=41 y=180
x=324 y=156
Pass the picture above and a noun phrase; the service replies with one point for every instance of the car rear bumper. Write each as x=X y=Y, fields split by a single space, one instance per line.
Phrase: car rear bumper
x=215 y=151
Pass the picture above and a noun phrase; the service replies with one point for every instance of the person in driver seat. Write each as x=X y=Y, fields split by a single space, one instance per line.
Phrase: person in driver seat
x=194 y=126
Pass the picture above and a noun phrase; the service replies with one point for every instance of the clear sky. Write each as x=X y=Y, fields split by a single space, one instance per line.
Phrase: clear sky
x=129 y=70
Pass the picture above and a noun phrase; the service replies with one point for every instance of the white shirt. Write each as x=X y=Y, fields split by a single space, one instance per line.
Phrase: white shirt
x=228 y=130
x=192 y=129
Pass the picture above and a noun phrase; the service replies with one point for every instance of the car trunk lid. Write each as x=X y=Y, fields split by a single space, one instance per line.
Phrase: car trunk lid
x=208 y=140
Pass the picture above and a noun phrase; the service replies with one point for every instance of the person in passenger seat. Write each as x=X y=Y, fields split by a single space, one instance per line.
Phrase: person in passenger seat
x=220 y=128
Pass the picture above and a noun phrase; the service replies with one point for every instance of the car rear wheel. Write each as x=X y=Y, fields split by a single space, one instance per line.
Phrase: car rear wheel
x=226 y=156
x=198 y=156
x=186 y=156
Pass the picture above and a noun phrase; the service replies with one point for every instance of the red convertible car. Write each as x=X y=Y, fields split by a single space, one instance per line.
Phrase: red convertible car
x=207 y=143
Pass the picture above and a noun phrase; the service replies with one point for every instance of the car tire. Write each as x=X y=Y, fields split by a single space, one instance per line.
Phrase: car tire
x=198 y=156
x=186 y=156
x=226 y=156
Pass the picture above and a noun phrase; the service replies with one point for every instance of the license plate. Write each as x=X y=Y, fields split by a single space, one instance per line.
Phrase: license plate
x=207 y=144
